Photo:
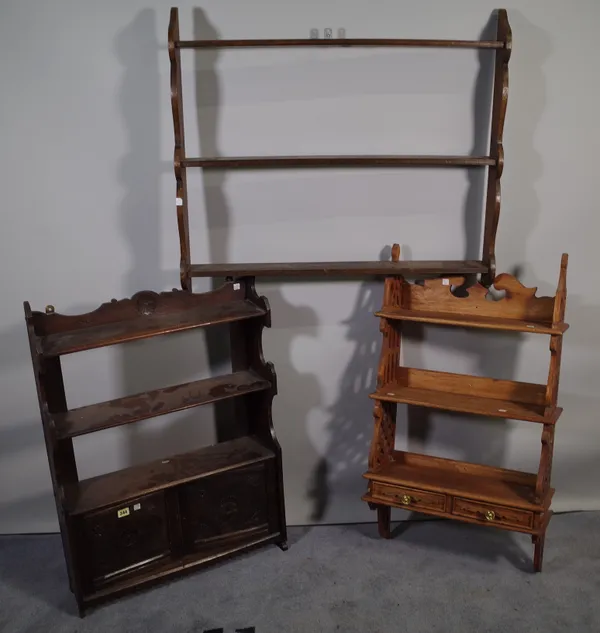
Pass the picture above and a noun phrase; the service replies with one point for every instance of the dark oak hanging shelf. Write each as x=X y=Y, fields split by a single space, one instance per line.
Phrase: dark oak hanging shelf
x=494 y=161
x=128 y=528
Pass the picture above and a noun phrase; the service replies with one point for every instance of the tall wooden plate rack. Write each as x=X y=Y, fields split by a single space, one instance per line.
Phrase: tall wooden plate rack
x=494 y=162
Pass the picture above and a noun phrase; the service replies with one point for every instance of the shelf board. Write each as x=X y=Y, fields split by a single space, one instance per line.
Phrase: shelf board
x=145 y=327
x=281 y=162
x=339 y=42
x=106 y=415
x=463 y=479
x=468 y=320
x=123 y=485
x=339 y=269
x=462 y=393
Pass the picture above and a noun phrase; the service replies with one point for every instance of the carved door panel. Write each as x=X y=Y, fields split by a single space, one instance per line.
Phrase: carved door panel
x=223 y=505
x=124 y=537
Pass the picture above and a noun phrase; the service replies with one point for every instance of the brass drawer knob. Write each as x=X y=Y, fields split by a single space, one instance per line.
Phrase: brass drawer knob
x=490 y=515
x=405 y=499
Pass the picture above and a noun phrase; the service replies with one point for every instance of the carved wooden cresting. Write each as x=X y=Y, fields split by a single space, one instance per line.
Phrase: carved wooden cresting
x=132 y=527
x=464 y=491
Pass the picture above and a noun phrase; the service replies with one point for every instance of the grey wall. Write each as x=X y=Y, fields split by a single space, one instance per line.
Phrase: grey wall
x=88 y=214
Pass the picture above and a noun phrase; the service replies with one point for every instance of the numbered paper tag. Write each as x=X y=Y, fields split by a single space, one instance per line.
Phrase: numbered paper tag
x=123 y=512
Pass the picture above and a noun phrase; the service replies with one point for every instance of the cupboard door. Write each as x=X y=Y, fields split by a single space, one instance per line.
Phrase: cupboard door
x=124 y=537
x=224 y=505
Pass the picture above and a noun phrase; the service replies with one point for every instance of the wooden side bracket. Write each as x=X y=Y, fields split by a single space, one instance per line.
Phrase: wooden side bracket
x=181 y=200
x=499 y=102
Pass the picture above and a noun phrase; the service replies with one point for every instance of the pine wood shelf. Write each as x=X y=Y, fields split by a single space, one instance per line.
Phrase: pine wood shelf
x=339 y=269
x=129 y=528
x=142 y=406
x=460 y=490
x=121 y=486
x=487 y=323
x=493 y=160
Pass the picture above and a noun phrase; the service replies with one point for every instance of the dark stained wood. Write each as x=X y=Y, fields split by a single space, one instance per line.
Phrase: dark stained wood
x=240 y=500
x=52 y=400
x=114 y=544
x=473 y=493
x=129 y=528
x=281 y=162
x=163 y=569
x=499 y=102
x=338 y=269
x=142 y=406
x=181 y=195
x=493 y=161
x=491 y=404
x=123 y=485
x=145 y=315
x=334 y=42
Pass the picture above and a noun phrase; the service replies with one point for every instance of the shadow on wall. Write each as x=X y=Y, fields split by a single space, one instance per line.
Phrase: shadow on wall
x=298 y=394
x=483 y=440
x=168 y=360
x=337 y=477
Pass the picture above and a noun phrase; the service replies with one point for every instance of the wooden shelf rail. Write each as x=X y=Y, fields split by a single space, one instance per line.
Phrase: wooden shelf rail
x=343 y=43
x=128 y=528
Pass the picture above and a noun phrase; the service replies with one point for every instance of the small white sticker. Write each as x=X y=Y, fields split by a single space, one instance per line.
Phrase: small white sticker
x=502 y=410
x=179 y=202
x=531 y=326
x=391 y=393
x=445 y=282
x=237 y=286
x=137 y=506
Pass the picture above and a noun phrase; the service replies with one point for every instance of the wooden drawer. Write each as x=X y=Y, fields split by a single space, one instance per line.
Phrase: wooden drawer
x=492 y=514
x=409 y=497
